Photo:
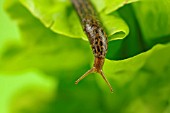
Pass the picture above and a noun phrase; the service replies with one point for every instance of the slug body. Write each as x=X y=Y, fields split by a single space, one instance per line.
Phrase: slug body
x=95 y=33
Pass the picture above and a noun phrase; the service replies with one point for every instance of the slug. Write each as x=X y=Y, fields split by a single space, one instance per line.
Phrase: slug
x=96 y=36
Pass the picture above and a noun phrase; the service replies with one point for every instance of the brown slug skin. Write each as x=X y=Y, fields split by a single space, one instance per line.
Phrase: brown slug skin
x=95 y=33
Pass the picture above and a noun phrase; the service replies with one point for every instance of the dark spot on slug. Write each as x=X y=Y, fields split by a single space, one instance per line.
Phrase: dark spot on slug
x=98 y=48
x=102 y=32
x=95 y=51
x=101 y=52
x=96 y=35
x=101 y=43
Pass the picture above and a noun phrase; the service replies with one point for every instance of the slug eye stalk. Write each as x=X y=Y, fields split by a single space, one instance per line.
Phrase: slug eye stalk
x=97 y=68
x=93 y=70
x=96 y=36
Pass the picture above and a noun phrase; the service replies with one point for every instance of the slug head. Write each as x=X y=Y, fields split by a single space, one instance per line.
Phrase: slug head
x=97 y=68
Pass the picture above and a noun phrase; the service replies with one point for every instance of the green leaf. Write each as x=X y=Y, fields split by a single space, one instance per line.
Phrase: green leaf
x=157 y=59
x=154 y=20
x=112 y=6
x=7 y=35
x=139 y=81
x=99 y=5
x=116 y=29
x=133 y=44
x=25 y=86
x=41 y=47
x=59 y=16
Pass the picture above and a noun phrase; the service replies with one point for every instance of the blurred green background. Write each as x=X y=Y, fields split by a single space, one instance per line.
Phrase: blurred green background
x=43 y=51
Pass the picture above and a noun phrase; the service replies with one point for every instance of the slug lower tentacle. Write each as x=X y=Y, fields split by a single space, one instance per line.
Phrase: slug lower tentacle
x=96 y=36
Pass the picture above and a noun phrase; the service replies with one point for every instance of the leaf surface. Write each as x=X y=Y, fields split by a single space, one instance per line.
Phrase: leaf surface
x=59 y=15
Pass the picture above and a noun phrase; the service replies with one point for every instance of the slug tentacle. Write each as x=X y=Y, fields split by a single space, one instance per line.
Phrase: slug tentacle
x=96 y=36
x=92 y=70
x=97 y=68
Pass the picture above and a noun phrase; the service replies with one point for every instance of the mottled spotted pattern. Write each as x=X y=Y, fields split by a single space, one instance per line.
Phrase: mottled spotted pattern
x=97 y=38
x=96 y=35
x=92 y=27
